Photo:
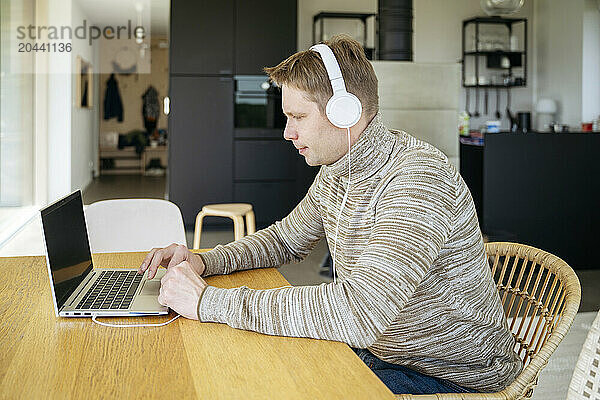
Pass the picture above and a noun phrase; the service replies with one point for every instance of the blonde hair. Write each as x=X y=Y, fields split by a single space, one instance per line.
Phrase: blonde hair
x=305 y=71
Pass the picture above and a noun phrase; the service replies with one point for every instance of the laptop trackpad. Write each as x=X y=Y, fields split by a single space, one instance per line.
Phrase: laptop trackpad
x=151 y=288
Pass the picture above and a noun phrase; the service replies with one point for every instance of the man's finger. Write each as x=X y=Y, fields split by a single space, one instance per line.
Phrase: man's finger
x=155 y=263
x=147 y=260
x=159 y=259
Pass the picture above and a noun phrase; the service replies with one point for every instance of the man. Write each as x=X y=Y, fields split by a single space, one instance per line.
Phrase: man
x=414 y=295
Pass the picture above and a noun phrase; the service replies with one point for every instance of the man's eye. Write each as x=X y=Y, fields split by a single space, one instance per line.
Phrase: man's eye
x=298 y=117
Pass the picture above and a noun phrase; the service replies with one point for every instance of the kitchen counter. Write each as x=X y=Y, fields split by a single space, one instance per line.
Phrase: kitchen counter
x=546 y=133
x=540 y=189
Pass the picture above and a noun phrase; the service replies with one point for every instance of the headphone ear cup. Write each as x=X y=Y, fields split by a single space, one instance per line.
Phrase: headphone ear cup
x=343 y=110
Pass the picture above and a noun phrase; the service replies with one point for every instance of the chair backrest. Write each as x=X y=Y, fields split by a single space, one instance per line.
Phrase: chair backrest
x=585 y=383
x=133 y=225
x=540 y=294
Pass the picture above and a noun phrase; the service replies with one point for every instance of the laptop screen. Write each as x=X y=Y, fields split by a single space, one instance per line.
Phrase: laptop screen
x=67 y=245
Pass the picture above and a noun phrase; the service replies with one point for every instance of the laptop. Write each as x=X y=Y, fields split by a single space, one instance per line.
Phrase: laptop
x=80 y=290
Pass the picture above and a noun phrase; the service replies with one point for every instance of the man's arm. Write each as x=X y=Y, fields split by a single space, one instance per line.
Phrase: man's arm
x=413 y=221
x=288 y=240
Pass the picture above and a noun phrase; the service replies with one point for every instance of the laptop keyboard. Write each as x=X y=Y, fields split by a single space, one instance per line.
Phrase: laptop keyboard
x=113 y=290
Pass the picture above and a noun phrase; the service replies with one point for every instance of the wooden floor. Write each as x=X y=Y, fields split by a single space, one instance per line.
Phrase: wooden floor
x=125 y=186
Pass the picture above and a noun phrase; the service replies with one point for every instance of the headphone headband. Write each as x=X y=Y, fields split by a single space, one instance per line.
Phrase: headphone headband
x=332 y=67
x=343 y=109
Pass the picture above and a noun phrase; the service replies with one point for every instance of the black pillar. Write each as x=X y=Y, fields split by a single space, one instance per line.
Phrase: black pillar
x=395 y=30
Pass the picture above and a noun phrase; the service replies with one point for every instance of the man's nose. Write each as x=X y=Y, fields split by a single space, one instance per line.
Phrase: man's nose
x=289 y=133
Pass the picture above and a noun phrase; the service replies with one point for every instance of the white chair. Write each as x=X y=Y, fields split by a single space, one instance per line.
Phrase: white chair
x=133 y=225
x=585 y=383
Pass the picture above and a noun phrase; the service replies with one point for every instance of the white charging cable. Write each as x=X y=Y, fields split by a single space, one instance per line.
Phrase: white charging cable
x=133 y=325
x=337 y=224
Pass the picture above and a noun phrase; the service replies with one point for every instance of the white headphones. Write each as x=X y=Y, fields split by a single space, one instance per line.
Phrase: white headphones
x=343 y=109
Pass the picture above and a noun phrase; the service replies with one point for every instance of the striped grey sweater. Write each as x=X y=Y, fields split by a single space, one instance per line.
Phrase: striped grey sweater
x=413 y=282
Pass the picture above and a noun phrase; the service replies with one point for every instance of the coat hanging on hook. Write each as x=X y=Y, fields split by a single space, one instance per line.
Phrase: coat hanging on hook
x=113 y=106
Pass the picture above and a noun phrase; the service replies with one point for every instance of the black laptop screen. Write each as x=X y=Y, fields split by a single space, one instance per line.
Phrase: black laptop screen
x=67 y=244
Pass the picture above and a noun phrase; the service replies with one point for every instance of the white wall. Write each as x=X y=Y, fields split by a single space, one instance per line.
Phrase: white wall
x=590 y=90
x=132 y=87
x=16 y=98
x=71 y=131
x=40 y=147
x=96 y=117
x=437 y=27
x=559 y=34
x=421 y=99
x=308 y=8
x=59 y=108
x=84 y=121
x=438 y=39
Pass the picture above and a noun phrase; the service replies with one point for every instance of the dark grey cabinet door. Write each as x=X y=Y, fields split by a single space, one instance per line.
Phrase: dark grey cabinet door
x=265 y=160
x=265 y=34
x=271 y=201
x=201 y=39
x=200 y=143
x=272 y=176
x=305 y=177
x=547 y=194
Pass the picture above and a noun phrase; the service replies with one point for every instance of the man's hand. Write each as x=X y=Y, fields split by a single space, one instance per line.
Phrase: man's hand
x=180 y=289
x=169 y=257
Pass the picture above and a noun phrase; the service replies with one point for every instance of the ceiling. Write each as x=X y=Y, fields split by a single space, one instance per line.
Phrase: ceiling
x=117 y=12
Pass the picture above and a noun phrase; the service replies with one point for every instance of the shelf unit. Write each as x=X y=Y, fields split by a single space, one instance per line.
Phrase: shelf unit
x=127 y=162
x=124 y=161
x=495 y=57
x=321 y=18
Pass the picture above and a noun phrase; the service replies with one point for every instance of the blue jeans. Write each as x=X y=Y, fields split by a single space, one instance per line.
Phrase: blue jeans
x=403 y=380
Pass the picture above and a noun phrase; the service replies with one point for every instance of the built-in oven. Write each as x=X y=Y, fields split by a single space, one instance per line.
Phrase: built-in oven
x=257 y=103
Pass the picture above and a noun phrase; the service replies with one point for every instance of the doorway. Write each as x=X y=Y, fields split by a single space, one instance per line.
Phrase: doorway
x=133 y=86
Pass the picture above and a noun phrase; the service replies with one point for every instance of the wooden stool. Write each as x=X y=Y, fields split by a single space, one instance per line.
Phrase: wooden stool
x=235 y=211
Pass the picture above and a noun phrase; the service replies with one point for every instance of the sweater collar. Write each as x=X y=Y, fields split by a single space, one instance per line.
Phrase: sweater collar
x=368 y=154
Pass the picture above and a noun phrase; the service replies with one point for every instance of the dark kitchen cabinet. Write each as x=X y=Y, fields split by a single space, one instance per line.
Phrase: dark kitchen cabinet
x=265 y=34
x=201 y=40
x=200 y=146
x=542 y=189
x=538 y=189
x=271 y=200
x=272 y=176
x=471 y=169
x=210 y=161
x=265 y=160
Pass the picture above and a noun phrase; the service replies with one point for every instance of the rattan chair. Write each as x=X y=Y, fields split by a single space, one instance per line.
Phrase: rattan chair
x=540 y=294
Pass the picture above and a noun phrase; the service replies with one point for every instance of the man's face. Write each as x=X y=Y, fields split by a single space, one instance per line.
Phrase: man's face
x=317 y=139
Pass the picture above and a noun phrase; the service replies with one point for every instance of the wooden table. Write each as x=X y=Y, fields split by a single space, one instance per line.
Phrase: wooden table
x=42 y=356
